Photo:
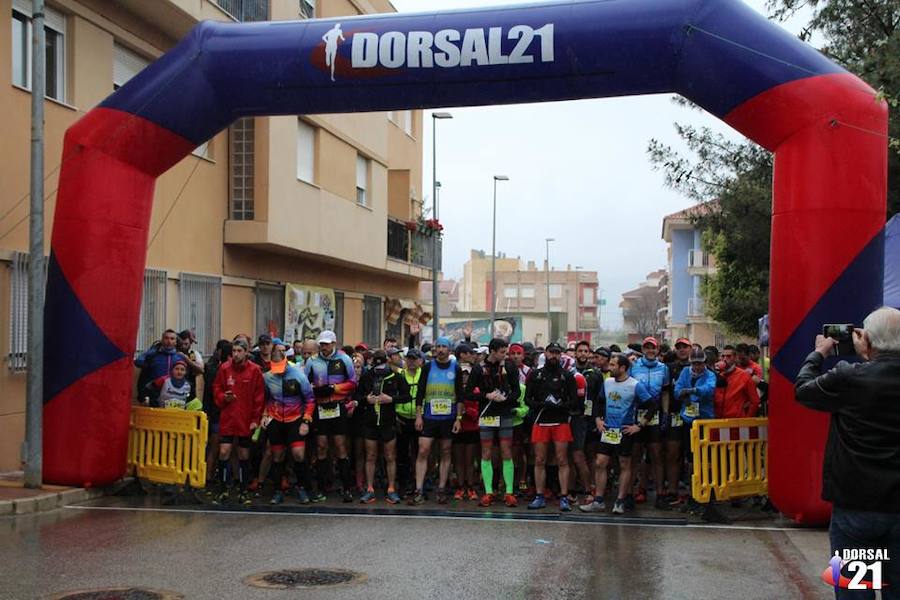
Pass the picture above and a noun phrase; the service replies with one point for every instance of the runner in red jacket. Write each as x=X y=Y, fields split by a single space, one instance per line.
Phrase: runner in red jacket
x=238 y=391
x=737 y=398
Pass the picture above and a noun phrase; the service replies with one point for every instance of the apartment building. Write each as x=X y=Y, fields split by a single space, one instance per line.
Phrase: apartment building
x=281 y=224
x=644 y=308
x=688 y=264
x=523 y=289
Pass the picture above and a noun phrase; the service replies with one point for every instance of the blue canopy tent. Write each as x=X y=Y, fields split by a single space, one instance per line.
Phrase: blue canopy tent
x=892 y=262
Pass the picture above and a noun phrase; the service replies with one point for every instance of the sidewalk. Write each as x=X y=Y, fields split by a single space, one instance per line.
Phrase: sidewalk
x=16 y=499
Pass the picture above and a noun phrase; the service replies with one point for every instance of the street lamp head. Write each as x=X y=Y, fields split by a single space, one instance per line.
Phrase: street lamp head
x=441 y=115
x=550 y=240
x=501 y=178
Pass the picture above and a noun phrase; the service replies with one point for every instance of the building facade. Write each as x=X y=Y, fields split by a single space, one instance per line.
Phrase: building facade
x=523 y=289
x=279 y=224
x=644 y=308
x=688 y=264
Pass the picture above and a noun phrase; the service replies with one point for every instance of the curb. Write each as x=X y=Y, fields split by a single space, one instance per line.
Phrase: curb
x=48 y=501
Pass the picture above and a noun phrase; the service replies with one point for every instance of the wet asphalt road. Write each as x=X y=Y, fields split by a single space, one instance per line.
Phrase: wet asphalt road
x=206 y=554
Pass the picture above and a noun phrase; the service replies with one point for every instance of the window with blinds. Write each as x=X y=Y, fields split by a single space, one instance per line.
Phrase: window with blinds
x=306 y=152
x=362 y=180
x=372 y=321
x=18 y=311
x=126 y=64
x=269 y=309
x=200 y=309
x=153 y=309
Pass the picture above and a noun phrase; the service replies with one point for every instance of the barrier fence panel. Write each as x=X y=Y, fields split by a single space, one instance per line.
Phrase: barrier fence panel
x=730 y=458
x=168 y=445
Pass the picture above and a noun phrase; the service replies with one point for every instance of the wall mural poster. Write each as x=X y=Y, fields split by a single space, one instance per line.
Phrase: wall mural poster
x=508 y=328
x=308 y=311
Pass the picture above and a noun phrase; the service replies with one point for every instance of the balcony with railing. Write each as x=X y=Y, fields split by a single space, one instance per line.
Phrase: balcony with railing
x=411 y=247
x=699 y=262
x=696 y=308
x=588 y=323
x=246 y=10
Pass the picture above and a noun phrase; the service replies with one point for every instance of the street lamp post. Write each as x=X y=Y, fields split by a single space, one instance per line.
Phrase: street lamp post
x=549 y=323
x=435 y=267
x=494 y=256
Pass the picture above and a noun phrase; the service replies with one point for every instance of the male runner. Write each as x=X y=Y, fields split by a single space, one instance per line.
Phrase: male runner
x=439 y=412
x=655 y=375
x=582 y=423
x=333 y=378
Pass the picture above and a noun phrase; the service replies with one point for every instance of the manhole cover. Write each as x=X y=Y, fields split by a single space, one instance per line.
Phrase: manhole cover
x=303 y=578
x=133 y=593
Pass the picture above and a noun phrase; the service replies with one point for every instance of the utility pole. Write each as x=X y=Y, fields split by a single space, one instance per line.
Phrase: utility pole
x=34 y=400
x=435 y=263
x=494 y=257
x=549 y=322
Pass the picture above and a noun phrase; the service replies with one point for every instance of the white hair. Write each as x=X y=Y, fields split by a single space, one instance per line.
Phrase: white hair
x=883 y=327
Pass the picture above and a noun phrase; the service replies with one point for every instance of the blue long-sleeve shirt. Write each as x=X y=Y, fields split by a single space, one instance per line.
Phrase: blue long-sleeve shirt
x=699 y=405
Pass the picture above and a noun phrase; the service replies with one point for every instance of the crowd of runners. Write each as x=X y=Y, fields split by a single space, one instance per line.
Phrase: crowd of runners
x=452 y=422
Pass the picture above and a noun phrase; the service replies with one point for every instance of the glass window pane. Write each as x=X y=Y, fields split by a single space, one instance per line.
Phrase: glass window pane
x=19 y=49
x=306 y=152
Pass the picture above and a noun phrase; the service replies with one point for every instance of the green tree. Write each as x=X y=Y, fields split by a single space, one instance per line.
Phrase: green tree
x=864 y=37
x=734 y=178
x=732 y=181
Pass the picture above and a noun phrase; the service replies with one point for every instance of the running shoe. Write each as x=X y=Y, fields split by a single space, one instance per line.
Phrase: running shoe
x=393 y=497
x=629 y=502
x=418 y=499
x=510 y=500
x=619 y=507
x=245 y=499
x=662 y=502
x=368 y=497
x=460 y=494
x=593 y=507
x=564 y=504
x=318 y=497
x=442 y=496
x=254 y=486
x=302 y=496
x=471 y=494
x=641 y=496
x=347 y=496
x=222 y=497
x=486 y=500
x=538 y=502
x=277 y=497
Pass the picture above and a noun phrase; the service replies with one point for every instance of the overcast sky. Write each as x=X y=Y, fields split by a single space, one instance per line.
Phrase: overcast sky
x=578 y=173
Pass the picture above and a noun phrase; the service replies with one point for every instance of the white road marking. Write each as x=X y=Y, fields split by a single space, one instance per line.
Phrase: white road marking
x=439 y=517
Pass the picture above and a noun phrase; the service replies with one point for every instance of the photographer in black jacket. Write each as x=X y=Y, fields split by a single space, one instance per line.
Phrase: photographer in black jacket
x=861 y=474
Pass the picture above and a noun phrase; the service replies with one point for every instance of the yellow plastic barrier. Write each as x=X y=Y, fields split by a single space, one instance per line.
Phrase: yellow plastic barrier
x=168 y=445
x=730 y=457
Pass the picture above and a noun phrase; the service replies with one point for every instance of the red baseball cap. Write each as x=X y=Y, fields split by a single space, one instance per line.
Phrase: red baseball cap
x=650 y=341
x=684 y=341
x=517 y=348
x=361 y=346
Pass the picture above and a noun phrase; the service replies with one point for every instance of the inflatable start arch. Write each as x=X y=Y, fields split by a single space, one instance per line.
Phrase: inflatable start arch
x=826 y=127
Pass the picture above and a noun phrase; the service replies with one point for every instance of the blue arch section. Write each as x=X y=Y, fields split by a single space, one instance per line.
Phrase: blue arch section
x=717 y=53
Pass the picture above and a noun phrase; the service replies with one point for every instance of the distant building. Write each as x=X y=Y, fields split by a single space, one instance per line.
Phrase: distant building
x=522 y=289
x=644 y=308
x=688 y=265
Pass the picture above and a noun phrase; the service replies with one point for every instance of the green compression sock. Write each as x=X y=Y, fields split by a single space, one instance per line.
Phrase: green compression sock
x=509 y=470
x=487 y=476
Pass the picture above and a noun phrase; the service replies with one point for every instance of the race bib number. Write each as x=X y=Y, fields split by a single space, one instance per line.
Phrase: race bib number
x=588 y=407
x=642 y=415
x=677 y=421
x=266 y=420
x=489 y=421
x=329 y=412
x=441 y=406
x=174 y=403
x=692 y=410
x=612 y=435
